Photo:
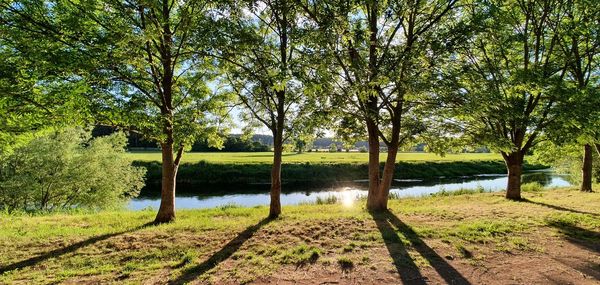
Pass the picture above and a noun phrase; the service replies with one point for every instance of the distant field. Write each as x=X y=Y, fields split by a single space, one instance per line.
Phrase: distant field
x=312 y=157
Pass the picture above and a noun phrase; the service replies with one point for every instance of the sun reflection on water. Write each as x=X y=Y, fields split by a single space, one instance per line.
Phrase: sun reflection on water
x=347 y=197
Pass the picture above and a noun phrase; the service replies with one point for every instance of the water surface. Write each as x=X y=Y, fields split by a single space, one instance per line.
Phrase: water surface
x=201 y=196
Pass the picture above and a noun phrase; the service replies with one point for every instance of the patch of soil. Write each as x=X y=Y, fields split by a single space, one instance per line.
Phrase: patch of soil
x=561 y=262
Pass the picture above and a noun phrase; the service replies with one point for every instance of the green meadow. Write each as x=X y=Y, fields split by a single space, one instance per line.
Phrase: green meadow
x=311 y=157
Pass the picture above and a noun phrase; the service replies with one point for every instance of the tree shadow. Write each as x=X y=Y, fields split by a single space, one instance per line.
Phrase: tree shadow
x=577 y=235
x=64 y=250
x=559 y=208
x=407 y=269
x=225 y=252
x=582 y=238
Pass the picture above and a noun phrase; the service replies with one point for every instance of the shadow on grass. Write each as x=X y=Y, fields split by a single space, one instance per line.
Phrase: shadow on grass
x=389 y=225
x=582 y=238
x=559 y=208
x=225 y=252
x=577 y=235
x=64 y=250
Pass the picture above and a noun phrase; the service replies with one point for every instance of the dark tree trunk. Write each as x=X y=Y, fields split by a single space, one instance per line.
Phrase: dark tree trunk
x=388 y=176
x=373 y=199
x=275 y=207
x=514 y=165
x=586 y=169
x=170 y=163
x=166 y=212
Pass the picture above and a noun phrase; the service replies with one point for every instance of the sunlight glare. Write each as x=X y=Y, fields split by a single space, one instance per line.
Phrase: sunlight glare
x=347 y=198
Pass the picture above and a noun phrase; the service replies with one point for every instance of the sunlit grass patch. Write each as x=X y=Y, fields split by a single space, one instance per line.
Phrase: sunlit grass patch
x=310 y=157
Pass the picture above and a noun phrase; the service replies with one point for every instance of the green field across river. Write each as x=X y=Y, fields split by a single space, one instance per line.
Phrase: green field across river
x=311 y=157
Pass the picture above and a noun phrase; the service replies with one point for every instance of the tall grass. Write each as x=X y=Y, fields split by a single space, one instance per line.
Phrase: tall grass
x=461 y=191
x=532 y=187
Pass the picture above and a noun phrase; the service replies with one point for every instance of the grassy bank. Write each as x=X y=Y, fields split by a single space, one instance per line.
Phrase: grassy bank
x=319 y=173
x=455 y=239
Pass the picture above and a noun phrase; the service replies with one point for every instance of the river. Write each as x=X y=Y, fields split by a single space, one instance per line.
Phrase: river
x=203 y=197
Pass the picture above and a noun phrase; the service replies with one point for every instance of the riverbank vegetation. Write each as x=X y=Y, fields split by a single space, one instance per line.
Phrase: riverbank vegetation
x=323 y=168
x=321 y=173
x=473 y=238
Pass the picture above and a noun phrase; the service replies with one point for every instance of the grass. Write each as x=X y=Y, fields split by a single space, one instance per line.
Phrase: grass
x=310 y=157
x=237 y=245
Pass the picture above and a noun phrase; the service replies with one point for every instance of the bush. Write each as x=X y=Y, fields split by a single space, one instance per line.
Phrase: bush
x=232 y=144
x=67 y=169
x=532 y=187
x=333 y=147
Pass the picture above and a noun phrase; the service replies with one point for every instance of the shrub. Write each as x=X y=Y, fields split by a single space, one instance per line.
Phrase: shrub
x=532 y=187
x=67 y=169
x=333 y=147
x=331 y=199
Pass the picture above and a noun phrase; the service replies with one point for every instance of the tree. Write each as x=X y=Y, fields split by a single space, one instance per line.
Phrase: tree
x=35 y=91
x=564 y=158
x=66 y=169
x=143 y=62
x=266 y=67
x=333 y=147
x=509 y=79
x=232 y=144
x=580 y=45
x=382 y=53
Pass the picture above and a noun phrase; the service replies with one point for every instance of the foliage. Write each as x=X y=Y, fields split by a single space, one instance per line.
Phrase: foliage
x=333 y=147
x=231 y=144
x=37 y=90
x=265 y=63
x=508 y=72
x=580 y=45
x=67 y=169
x=139 y=64
x=382 y=54
x=566 y=158
x=532 y=187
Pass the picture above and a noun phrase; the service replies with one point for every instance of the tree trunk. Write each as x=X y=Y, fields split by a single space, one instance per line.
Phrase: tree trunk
x=514 y=165
x=586 y=169
x=166 y=212
x=373 y=197
x=388 y=176
x=275 y=207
